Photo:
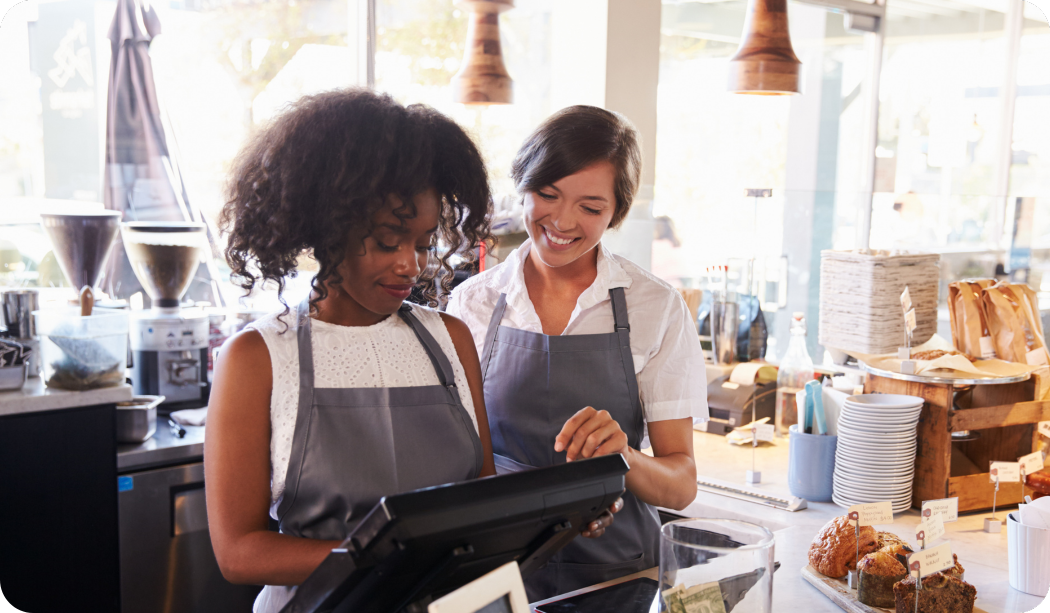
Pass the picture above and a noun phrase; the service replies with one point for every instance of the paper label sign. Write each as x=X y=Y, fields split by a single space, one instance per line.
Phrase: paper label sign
x=909 y=321
x=729 y=385
x=1044 y=428
x=947 y=508
x=1031 y=463
x=932 y=560
x=930 y=529
x=987 y=348
x=1007 y=472
x=872 y=514
x=764 y=432
x=1036 y=357
x=906 y=299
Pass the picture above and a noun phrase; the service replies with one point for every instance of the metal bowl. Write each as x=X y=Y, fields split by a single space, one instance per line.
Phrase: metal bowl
x=14 y=377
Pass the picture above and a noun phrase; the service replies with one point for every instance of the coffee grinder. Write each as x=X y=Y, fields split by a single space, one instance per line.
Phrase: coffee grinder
x=169 y=343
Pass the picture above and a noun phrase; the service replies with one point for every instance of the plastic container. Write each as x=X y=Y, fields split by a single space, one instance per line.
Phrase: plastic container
x=811 y=465
x=82 y=353
x=796 y=369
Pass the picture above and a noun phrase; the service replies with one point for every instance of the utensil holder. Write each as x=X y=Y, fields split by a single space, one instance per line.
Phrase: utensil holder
x=1029 y=553
x=811 y=464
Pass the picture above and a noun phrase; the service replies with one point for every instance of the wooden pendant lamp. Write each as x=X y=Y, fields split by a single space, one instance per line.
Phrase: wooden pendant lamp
x=765 y=63
x=483 y=79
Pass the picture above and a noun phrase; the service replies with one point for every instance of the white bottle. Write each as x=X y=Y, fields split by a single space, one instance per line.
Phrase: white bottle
x=796 y=369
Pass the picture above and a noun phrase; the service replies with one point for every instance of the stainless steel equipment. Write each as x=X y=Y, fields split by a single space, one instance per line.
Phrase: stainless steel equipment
x=166 y=558
x=18 y=306
x=137 y=419
x=169 y=343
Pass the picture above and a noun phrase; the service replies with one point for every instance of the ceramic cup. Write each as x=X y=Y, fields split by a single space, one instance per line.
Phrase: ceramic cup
x=1029 y=554
x=811 y=464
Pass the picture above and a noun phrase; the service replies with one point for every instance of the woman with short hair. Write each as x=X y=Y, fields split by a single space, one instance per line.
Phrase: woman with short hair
x=584 y=353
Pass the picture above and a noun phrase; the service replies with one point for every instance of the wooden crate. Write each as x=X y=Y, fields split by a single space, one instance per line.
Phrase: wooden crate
x=1004 y=414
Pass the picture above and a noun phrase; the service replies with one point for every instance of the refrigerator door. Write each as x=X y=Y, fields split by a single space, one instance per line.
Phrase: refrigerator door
x=166 y=559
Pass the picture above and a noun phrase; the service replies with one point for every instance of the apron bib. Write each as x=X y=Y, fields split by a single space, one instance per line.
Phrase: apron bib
x=352 y=446
x=533 y=384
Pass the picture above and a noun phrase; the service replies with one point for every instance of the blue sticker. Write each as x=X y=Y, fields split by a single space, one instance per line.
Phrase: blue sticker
x=125 y=484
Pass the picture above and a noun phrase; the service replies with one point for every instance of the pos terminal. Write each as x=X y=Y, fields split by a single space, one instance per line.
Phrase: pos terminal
x=417 y=546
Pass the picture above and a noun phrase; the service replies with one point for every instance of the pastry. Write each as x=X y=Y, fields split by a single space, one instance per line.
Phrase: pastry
x=879 y=571
x=940 y=593
x=834 y=550
x=885 y=539
x=897 y=548
x=933 y=354
x=956 y=571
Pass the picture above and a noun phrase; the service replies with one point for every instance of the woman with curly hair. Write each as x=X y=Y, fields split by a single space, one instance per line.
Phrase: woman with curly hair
x=319 y=411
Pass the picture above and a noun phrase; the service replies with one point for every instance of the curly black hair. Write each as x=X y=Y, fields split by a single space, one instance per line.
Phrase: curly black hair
x=322 y=169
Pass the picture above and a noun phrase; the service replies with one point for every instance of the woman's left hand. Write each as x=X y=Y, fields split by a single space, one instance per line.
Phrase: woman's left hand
x=597 y=527
x=589 y=434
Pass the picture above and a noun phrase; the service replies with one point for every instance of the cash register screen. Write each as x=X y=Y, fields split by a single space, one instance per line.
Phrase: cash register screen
x=500 y=605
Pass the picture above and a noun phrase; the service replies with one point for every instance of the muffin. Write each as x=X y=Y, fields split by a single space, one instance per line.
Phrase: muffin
x=879 y=571
x=899 y=551
x=941 y=593
x=833 y=552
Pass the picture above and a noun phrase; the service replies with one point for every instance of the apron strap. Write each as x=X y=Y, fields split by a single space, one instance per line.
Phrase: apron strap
x=623 y=332
x=304 y=412
x=490 y=335
x=437 y=357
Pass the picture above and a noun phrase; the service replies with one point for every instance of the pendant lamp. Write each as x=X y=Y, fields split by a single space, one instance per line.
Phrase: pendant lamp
x=483 y=79
x=765 y=63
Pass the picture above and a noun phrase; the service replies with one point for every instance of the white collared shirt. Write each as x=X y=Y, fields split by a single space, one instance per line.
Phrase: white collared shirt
x=668 y=360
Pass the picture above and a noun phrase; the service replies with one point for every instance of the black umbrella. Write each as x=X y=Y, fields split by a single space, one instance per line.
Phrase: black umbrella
x=141 y=179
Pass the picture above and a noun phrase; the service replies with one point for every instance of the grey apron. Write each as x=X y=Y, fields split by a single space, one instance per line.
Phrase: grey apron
x=353 y=446
x=533 y=384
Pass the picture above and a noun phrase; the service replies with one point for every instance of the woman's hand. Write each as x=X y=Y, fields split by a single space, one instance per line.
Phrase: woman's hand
x=597 y=527
x=590 y=433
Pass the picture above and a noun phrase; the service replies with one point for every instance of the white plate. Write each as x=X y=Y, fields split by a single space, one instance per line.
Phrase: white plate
x=886 y=401
x=899 y=504
x=887 y=451
x=877 y=475
x=899 y=489
x=880 y=423
x=851 y=432
x=881 y=418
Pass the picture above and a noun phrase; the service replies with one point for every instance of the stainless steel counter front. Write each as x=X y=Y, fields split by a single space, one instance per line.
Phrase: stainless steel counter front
x=162 y=449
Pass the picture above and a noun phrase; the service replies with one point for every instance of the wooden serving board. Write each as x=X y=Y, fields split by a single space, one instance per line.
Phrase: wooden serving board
x=841 y=594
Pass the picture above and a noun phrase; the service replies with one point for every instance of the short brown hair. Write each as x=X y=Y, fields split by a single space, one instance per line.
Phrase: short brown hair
x=574 y=138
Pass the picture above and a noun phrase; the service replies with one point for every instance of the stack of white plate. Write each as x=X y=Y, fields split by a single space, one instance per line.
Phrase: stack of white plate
x=875 y=455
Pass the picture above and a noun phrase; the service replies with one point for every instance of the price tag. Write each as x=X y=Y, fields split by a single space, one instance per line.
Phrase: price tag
x=947 y=508
x=987 y=348
x=764 y=432
x=873 y=513
x=930 y=529
x=932 y=560
x=1044 y=428
x=1036 y=357
x=729 y=385
x=1008 y=472
x=909 y=320
x=906 y=299
x=1031 y=463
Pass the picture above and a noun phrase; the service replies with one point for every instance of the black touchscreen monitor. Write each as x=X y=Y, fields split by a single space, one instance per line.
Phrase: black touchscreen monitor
x=417 y=546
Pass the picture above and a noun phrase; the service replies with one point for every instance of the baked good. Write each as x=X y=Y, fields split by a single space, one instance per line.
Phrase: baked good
x=833 y=552
x=957 y=570
x=940 y=593
x=895 y=547
x=879 y=571
x=933 y=354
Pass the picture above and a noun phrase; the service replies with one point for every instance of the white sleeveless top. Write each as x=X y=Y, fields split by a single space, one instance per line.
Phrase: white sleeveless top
x=386 y=354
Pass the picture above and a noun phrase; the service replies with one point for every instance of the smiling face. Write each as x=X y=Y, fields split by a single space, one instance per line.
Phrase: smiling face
x=567 y=219
x=380 y=271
